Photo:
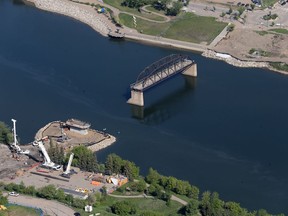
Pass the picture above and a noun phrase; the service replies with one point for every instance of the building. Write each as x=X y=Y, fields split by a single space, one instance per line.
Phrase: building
x=77 y=126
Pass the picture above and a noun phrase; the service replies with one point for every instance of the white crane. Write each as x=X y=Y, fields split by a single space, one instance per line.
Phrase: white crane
x=67 y=172
x=14 y=144
x=48 y=163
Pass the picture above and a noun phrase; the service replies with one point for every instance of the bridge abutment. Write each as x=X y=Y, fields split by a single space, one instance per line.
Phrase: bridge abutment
x=191 y=71
x=137 y=98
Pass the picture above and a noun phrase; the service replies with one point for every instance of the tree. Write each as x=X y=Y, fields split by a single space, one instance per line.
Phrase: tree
x=205 y=205
x=155 y=190
x=232 y=208
x=113 y=163
x=134 y=3
x=48 y=192
x=193 y=192
x=192 y=208
x=56 y=153
x=78 y=203
x=216 y=205
x=139 y=186
x=84 y=159
x=161 y=4
x=60 y=195
x=6 y=136
x=3 y=199
x=30 y=190
x=175 y=9
x=153 y=176
x=123 y=208
x=130 y=170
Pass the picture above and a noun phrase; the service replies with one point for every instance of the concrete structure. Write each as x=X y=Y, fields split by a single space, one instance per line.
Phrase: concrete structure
x=137 y=98
x=191 y=71
x=158 y=72
x=77 y=126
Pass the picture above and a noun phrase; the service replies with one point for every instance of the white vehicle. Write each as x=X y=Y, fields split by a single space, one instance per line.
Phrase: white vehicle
x=13 y=194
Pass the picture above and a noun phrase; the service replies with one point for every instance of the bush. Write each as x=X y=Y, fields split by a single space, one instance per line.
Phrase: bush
x=123 y=208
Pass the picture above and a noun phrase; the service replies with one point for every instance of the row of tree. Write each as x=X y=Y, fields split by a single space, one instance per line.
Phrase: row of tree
x=115 y=164
x=171 y=7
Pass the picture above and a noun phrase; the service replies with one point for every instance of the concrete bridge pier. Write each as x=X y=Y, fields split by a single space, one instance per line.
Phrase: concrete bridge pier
x=137 y=111
x=191 y=71
x=137 y=98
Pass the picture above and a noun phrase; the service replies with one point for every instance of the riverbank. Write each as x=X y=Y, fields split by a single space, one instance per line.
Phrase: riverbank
x=83 y=14
x=103 y=25
x=239 y=63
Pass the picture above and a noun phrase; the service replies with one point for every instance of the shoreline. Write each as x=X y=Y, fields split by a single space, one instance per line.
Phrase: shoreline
x=89 y=16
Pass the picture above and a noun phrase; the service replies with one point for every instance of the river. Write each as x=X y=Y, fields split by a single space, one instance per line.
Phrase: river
x=226 y=131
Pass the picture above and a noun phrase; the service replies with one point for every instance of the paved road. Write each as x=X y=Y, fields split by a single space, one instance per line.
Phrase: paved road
x=49 y=207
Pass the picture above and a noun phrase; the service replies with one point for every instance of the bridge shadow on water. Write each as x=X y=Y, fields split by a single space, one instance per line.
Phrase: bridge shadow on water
x=164 y=108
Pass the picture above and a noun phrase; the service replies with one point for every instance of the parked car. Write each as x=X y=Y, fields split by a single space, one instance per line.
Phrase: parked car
x=13 y=194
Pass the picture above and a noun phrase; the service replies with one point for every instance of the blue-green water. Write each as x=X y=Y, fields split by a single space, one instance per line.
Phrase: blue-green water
x=227 y=132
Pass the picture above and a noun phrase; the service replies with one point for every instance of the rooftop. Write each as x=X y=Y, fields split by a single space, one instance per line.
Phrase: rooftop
x=77 y=123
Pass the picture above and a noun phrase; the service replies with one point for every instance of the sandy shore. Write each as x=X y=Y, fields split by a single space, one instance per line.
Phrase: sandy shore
x=67 y=8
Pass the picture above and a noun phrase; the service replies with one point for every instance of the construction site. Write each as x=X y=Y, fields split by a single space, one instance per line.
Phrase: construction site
x=32 y=165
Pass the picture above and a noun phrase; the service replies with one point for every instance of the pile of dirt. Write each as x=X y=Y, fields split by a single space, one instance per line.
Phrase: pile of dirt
x=12 y=165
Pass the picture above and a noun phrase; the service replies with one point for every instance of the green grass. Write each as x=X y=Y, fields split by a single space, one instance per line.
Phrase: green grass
x=152 y=9
x=155 y=205
x=262 y=33
x=192 y=28
x=281 y=31
x=187 y=27
x=279 y=66
x=16 y=210
x=117 y=4
x=146 y=27
x=267 y=3
x=142 y=204
x=260 y=52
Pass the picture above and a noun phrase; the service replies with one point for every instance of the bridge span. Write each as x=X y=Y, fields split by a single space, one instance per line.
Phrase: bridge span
x=158 y=72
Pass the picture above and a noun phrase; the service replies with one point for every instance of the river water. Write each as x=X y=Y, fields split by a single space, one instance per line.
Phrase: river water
x=226 y=131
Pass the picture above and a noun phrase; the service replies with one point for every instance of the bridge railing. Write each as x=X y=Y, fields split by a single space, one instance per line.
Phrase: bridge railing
x=159 y=66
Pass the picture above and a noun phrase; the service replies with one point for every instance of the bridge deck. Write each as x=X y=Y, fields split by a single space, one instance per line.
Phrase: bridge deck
x=162 y=75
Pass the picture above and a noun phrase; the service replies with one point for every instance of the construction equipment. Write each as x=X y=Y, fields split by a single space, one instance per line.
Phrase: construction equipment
x=68 y=172
x=47 y=161
x=14 y=145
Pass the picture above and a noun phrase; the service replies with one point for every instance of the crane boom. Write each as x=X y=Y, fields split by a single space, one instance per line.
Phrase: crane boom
x=67 y=171
x=14 y=144
x=46 y=156
x=48 y=163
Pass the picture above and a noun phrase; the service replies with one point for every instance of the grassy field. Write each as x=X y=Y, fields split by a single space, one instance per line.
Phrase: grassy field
x=152 y=9
x=117 y=4
x=279 y=66
x=20 y=210
x=281 y=31
x=142 y=204
x=187 y=27
x=267 y=3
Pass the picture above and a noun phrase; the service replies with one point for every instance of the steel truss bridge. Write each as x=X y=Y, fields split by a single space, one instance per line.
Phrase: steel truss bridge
x=160 y=71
